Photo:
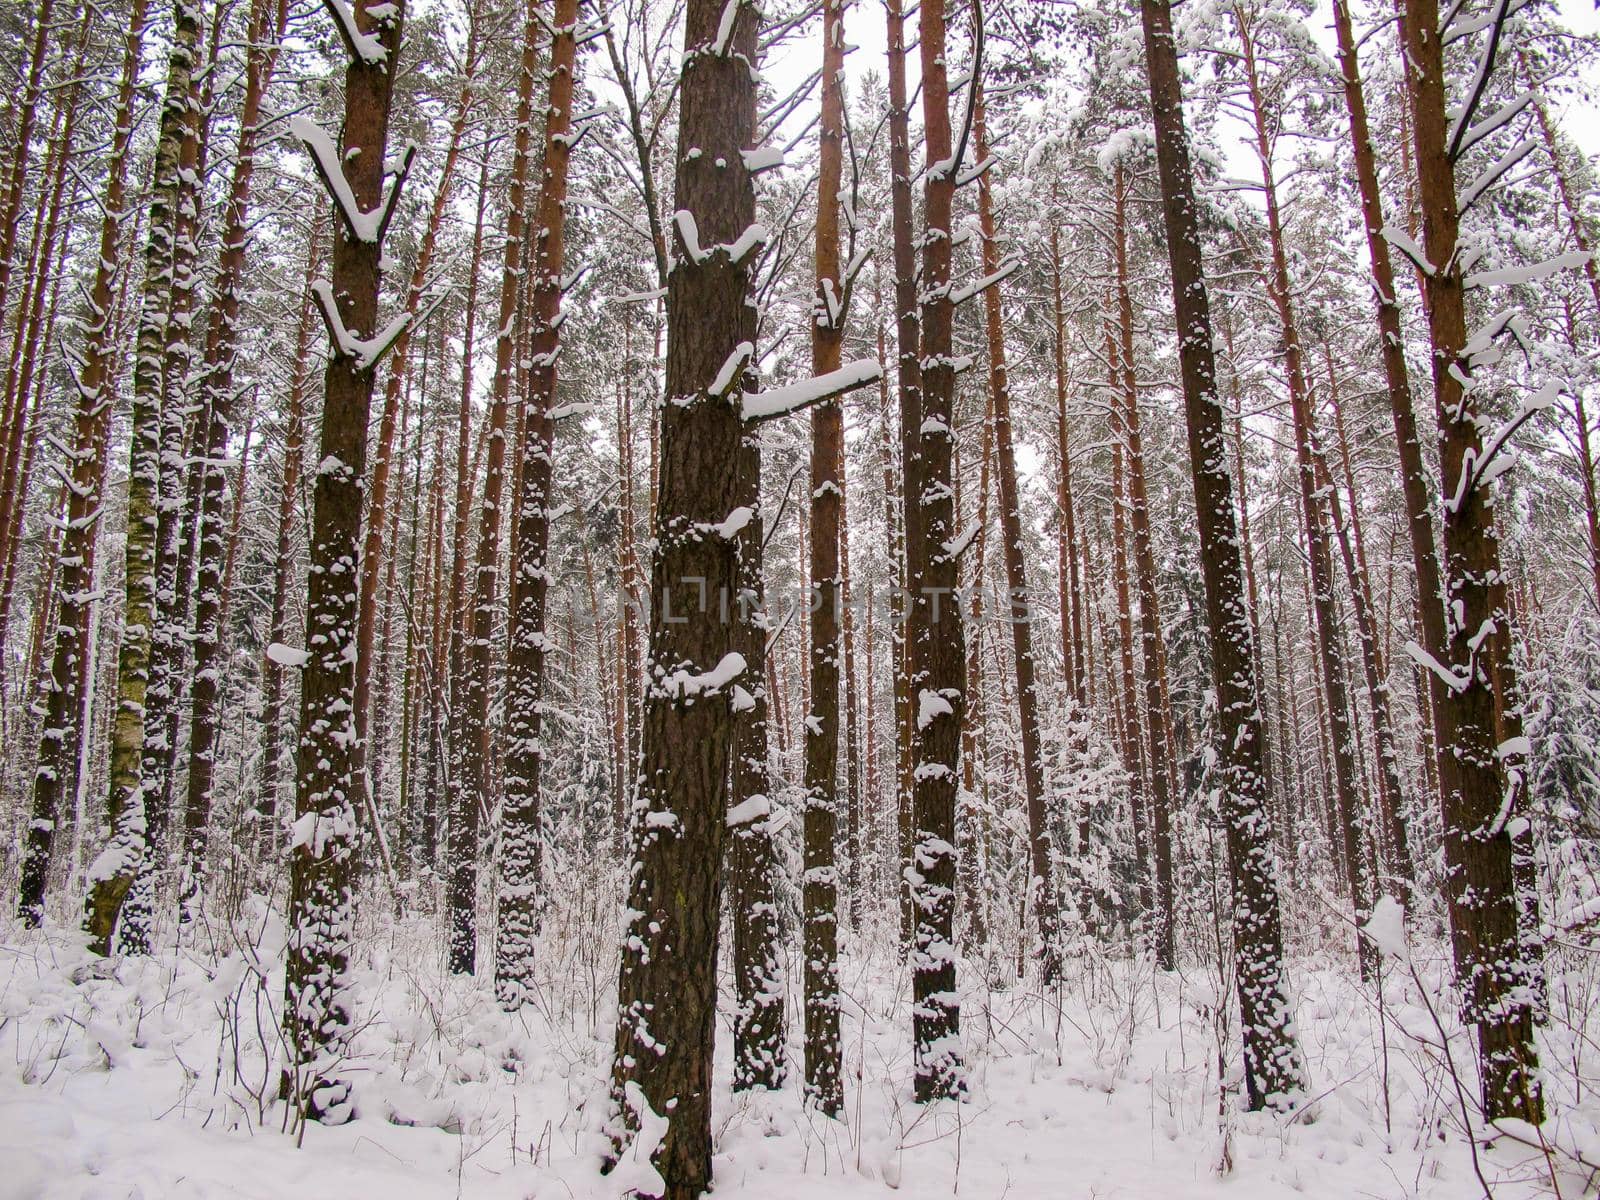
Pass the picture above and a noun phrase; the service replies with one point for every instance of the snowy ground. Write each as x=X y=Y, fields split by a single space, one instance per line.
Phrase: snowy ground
x=146 y=1078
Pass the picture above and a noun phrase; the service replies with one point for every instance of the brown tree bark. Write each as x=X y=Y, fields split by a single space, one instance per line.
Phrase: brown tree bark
x=1492 y=966
x=63 y=732
x=938 y=644
x=324 y=843
x=1274 y=1071
x=471 y=793
x=667 y=989
x=521 y=832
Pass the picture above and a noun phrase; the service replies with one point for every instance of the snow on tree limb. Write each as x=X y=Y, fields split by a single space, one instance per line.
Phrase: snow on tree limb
x=1532 y=273
x=346 y=344
x=1446 y=675
x=1474 y=191
x=781 y=401
x=1402 y=241
x=364 y=225
x=979 y=286
x=363 y=47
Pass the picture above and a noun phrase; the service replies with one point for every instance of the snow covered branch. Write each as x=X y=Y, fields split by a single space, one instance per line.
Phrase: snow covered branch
x=363 y=47
x=781 y=401
x=346 y=344
x=978 y=286
x=364 y=225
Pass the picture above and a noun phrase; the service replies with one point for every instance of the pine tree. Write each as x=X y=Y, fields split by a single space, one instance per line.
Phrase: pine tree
x=324 y=841
x=521 y=834
x=1274 y=1073
x=667 y=990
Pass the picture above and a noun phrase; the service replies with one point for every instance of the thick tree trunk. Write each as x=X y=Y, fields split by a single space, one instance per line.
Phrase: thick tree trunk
x=324 y=845
x=1274 y=1072
x=667 y=989
x=1493 y=967
x=938 y=645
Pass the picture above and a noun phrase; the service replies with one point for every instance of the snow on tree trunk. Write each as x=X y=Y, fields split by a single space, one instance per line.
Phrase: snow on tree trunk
x=324 y=840
x=1493 y=966
x=1274 y=1072
x=63 y=734
x=667 y=988
x=521 y=832
x=112 y=874
x=820 y=884
x=938 y=644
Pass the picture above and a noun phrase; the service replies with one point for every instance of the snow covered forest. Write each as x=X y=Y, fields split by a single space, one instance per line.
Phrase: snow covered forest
x=625 y=598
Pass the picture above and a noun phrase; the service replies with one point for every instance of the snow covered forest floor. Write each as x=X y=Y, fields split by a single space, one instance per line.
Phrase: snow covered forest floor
x=157 y=1078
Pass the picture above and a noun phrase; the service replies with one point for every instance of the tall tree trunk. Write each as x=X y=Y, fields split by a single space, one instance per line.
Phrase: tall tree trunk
x=112 y=874
x=820 y=887
x=265 y=28
x=908 y=374
x=1157 y=704
x=64 y=733
x=938 y=647
x=1041 y=846
x=1274 y=1072
x=521 y=831
x=472 y=795
x=1493 y=967
x=324 y=846
x=667 y=989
